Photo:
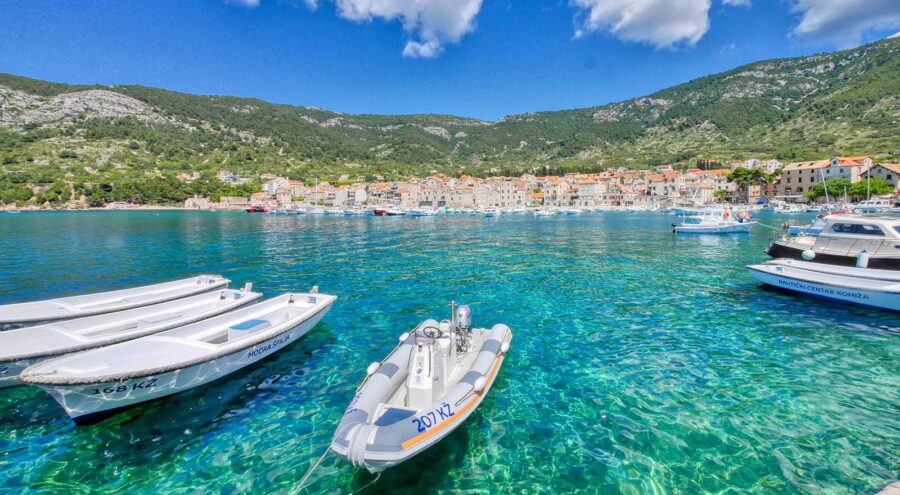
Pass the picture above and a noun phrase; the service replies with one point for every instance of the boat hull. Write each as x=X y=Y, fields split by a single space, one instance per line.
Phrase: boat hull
x=776 y=250
x=10 y=371
x=742 y=228
x=885 y=301
x=90 y=403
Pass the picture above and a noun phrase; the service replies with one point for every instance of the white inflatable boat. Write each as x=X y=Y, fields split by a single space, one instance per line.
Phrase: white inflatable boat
x=106 y=302
x=93 y=384
x=27 y=346
x=422 y=391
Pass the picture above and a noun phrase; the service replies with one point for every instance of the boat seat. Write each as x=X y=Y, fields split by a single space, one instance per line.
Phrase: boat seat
x=245 y=328
x=152 y=319
x=392 y=415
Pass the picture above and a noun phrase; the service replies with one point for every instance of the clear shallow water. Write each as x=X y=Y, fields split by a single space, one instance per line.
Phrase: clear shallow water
x=642 y=362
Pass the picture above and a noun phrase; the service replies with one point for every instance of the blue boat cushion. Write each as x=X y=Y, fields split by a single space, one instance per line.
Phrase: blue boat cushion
x=393 y=415
x=249 y=325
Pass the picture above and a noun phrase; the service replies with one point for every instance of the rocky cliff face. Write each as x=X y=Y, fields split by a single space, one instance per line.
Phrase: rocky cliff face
x=18 y=108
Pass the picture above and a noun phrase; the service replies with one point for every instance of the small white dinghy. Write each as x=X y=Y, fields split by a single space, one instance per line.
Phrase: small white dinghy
x=422 y=391
x=106 y=302
x=879 y=289
x=27 y=346
x=93 y=384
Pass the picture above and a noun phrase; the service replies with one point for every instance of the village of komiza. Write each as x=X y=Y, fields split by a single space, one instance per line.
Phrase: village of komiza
x=678 y=185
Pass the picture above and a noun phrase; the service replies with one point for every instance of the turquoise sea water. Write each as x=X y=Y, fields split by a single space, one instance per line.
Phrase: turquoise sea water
x=642 y=362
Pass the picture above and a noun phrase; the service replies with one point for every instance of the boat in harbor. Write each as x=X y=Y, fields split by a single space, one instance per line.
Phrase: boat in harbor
x=714 y=224
x=842 y=239
x=790 y=209
x=93 y=384
x=874 y=206
x=27 y=346
x=257 y=209
x=878 y=289
x=106 y=302
x=491 y=212
x=423 y=212
x=421 y=392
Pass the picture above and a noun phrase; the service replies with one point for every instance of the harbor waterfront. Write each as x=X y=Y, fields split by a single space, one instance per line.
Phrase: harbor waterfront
x=644 y=361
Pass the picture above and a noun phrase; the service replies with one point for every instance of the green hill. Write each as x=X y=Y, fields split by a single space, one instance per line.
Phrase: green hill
x=98 y=138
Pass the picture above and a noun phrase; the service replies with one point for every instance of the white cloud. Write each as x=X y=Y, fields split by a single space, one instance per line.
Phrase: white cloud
x=244 y=3
x=428 y=49
x=842 y=22
x=430 y=23
x=737 y=3
x=661 y=23
x=895 y=35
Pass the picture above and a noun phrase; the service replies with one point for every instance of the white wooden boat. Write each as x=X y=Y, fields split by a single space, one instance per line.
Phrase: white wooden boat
x=424 y=389
x=106 y=302
x=27 y=346
x=93 y=384
x=879 y=289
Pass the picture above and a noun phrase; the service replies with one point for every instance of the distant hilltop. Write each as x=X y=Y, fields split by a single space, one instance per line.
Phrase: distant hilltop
x=832 y=104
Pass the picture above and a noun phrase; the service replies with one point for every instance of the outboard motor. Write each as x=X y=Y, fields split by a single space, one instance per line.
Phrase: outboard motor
x=464 y=317
x=462 y=321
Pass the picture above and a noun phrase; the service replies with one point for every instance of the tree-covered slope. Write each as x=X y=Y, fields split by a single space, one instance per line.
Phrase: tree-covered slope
x=844 y=102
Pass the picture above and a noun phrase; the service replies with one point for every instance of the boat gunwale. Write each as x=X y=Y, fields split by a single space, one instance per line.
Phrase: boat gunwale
x=76 y=313
x=834 y=269
x=48 y=379
x=88 y=346
x=893 y=288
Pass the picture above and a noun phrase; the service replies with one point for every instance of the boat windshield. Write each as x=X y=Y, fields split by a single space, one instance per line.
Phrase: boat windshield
x=856 y=228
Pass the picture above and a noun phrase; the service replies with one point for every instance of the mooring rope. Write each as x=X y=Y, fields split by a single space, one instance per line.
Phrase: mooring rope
x=309 y=473
x=367 y=485
x=769 y=226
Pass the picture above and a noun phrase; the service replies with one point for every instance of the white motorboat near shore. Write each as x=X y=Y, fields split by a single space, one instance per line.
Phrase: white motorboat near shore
x=713 y=224
x=426 y=388
x=423 y=212
x=27 y=346
x=106 y=302
x=879 y=289
x=93 y=384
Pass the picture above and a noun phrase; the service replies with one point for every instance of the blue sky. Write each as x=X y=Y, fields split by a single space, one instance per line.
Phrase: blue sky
x=474 y=58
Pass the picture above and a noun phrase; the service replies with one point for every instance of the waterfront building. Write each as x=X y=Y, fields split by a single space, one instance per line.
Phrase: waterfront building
x=885 y=171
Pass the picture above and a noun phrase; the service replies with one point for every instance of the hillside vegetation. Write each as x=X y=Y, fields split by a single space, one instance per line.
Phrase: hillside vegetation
x=97 y=139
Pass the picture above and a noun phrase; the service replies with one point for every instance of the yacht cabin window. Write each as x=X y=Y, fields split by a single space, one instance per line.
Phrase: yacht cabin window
x=855 y=228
